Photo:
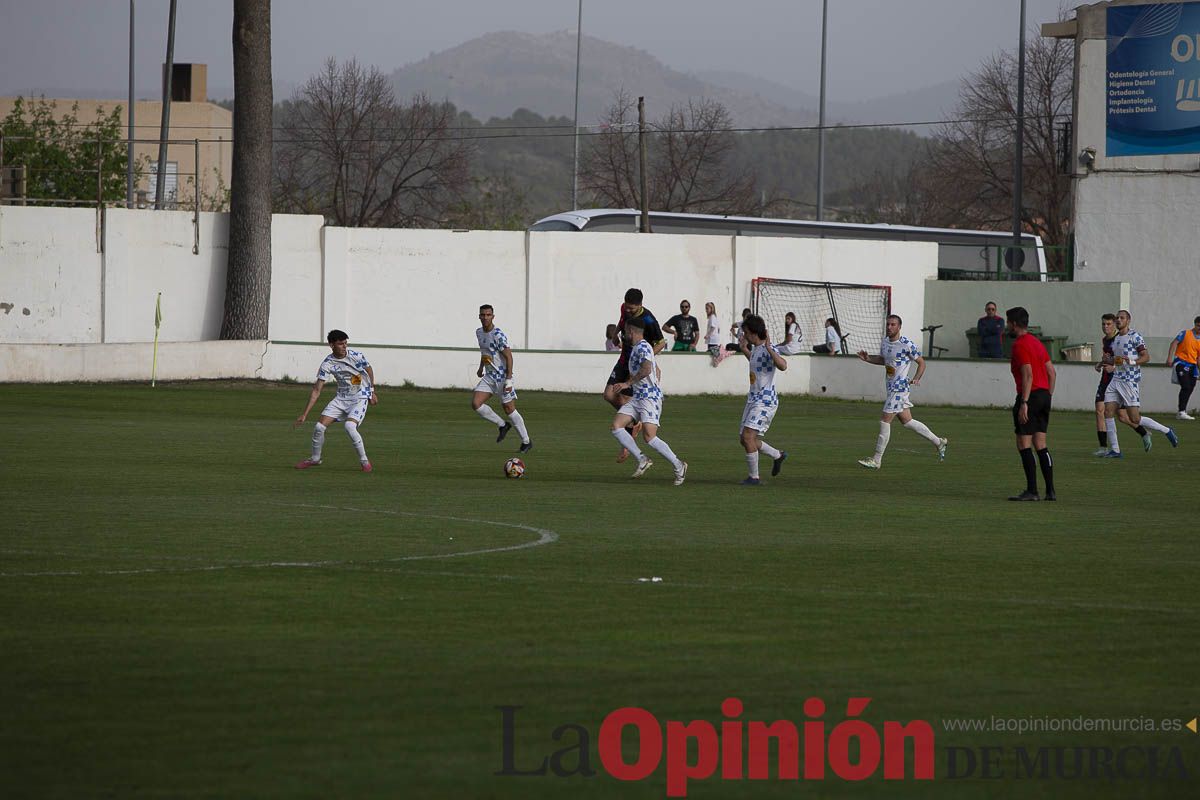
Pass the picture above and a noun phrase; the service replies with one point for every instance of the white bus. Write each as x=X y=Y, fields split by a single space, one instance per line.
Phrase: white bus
x=961 y=253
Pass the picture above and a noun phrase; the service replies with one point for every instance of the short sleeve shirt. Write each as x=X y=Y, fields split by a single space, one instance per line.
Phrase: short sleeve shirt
x=762 y=376
x=1028 y=350
x=685 y=327
x=1187 y=349
x=1127 y=347
x=350 y=372
x=492 y=345
x=653 y=333
x=898 y=357
x=644 y=388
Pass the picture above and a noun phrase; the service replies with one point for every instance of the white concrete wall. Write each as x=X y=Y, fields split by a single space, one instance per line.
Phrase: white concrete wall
x=1134 y=216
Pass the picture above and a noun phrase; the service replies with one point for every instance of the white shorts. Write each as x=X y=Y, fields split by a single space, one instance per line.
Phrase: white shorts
x=344 y=408
x=757 y=417
x=643 y=409
x=494 y=385
x=896 y=402
x=1124 y=394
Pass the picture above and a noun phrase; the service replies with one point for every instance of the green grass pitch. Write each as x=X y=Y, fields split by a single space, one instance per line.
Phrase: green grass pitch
x=183 y=614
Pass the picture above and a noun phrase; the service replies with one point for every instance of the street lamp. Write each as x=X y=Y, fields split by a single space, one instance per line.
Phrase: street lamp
x=1018 y=255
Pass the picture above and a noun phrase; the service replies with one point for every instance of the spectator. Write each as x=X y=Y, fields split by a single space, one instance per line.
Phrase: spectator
x=739 y=337
x=712 y=335
x=684 y=327
x=991 y=332
x=833 y=339
x=793 y=339
x=1184 y=358
x=612 y=339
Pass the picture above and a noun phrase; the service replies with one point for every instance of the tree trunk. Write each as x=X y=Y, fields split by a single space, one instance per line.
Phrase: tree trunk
x=248 y=275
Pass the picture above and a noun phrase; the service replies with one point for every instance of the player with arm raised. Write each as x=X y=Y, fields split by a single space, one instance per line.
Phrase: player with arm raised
x=355 y=391
x=496 y=377
x=645 y=405
x=896 y=355
x=762 y=401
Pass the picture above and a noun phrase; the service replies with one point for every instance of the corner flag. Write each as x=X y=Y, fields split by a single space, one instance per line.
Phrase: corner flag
x=157 y=323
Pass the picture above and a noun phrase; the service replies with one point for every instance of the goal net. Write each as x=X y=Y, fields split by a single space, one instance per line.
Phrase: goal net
x=860 y=310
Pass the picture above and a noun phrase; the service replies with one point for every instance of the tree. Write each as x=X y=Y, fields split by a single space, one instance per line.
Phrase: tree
x=350 y=151
x=689 y=161
x=248 y=275
x=61 y=156
x=966 y=176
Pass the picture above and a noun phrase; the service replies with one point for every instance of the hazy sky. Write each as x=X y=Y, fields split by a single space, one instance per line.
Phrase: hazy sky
x=876 y=47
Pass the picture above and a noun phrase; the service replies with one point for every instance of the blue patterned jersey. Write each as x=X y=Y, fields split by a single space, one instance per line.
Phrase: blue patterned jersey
x=1127 y=347
x=492 y=345
x=349 y=372
x=898 y=356
x=762 y=376
x=646 y=388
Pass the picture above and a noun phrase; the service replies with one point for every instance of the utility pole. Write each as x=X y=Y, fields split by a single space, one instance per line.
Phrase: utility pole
x=821 y=118
x=1018 y=255
x=129 y=136
x=165 y=128
x=645 y=226
x=575 y=171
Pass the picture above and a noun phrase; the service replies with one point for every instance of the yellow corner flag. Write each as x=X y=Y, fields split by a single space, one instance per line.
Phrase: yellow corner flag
x=157 y=323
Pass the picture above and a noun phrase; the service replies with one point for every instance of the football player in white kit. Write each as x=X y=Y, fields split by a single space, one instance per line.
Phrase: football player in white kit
x=645 y=406
x=496 y=377
x=1124 y=390
x=355 y=391
x=897 y=353
x=762 y=401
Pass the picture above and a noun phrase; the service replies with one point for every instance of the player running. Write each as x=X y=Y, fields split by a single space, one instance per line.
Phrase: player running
x=355 y=391
x=496 y=377
x=645 y=404
x=762 y=401
x=1124 y=391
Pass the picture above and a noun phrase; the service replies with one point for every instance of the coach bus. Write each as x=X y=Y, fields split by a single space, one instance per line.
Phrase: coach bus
x=961 y=253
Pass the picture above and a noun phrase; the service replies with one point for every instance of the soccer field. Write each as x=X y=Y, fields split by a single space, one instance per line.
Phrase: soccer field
x=184 y=614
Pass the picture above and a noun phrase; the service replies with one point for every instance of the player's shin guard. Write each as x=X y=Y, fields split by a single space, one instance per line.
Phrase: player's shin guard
x=1029 y=464
x=767 y=450
x=1154 y=426
x=1110 y=426
x=486 y=412
x=519 y=423
x=885 y=435
x=356 y=440
x=318 y=441
x=752 y=463
x=665 y=449
x=1047 y=463
x=922 y=430
x=622 y=436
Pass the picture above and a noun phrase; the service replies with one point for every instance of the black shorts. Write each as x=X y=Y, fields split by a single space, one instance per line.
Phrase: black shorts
x=620 y=374
x=1039 y=413
x=1103 y=387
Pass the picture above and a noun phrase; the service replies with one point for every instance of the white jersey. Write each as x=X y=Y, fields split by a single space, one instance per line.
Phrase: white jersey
x=492 y=345
x=898 y=356
x=350 y=372
x=762 y=376
x=646 y=388
x=1127 y=348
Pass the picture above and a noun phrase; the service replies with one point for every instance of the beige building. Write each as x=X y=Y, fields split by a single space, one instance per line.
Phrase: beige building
x=198 y=128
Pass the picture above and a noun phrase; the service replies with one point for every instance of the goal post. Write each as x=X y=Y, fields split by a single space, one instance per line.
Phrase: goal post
x=861 y=310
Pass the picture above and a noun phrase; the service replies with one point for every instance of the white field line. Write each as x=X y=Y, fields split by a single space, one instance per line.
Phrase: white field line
x=545 y=536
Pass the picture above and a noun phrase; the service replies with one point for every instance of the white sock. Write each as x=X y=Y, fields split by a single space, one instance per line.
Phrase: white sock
x=767 y=450
x=1154 y=426
x=627 y=442
x=752 y=462
x=665 y=449
x=921 y=429
x=486 y=412
x=1110 y=425
x=519 y=423
x=885 y=434
x=318 y=441
x=356 y=440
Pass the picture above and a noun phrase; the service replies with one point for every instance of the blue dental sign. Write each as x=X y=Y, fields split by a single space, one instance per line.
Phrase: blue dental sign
x=1153 y=82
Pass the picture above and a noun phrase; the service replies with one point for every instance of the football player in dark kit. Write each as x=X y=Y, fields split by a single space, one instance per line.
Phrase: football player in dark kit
x=1034 y=375
x=632 y=308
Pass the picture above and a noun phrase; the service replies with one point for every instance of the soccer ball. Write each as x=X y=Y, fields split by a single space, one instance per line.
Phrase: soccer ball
x=514 y=468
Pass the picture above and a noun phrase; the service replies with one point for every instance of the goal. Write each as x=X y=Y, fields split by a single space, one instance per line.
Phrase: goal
x=860 y=310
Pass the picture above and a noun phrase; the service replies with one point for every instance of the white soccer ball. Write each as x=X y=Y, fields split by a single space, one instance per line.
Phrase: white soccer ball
x=514 y=468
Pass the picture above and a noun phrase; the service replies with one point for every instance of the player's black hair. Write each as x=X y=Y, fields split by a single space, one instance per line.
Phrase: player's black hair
x=634 y=296
x=635 y=322
x=745 y=313
x=1196 y=321
x=336 y=336
x=754 y=324
x=892 y=316
x=1018 y=316
x=1113 y=317
x=487 y=306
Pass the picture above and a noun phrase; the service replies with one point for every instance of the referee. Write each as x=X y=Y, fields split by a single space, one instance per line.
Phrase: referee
x=1034 y=376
